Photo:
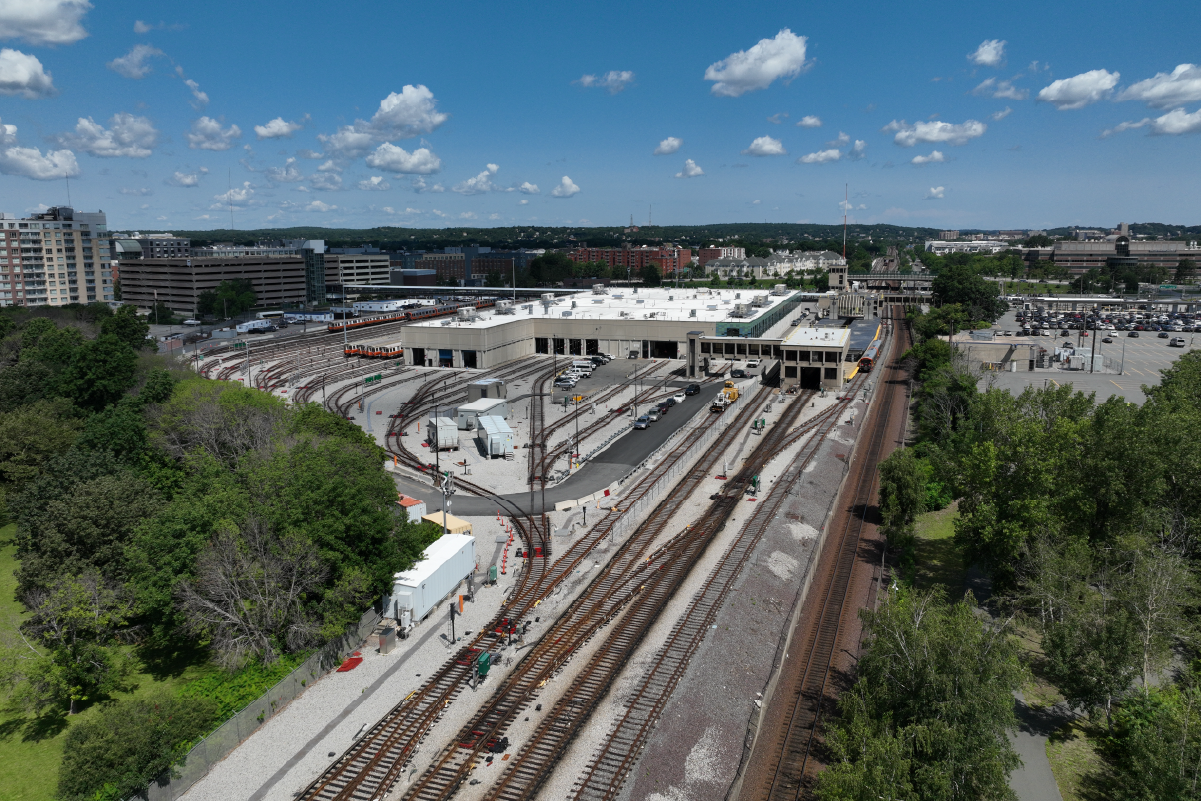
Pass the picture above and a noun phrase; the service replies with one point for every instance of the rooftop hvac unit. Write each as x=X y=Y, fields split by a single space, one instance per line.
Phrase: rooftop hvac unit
x=468 y=315
x=760 y=300
x=529 y=307
x=712 y=307
x=573 y=304
x=692 y=312
x=505 y=307
x=548 y=297
x=780 y=289
x=598 y=300
x=599 y=289
x=737 y=296
x=741 y=310
x=671 y=297
x=567 y=313
x=640 y=300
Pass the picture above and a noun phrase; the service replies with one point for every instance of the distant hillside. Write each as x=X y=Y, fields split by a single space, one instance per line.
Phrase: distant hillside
x=390 y=238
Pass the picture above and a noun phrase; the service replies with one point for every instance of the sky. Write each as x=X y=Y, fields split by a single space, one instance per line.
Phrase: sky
x=379 y=112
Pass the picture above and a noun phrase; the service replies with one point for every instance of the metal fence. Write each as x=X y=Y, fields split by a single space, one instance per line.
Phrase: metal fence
x=218 y=745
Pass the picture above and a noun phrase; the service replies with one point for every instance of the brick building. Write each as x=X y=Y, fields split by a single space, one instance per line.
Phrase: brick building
x=669 y=258
x=706 y=255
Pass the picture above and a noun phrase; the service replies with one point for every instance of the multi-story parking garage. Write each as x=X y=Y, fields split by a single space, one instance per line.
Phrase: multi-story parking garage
x=633 y=323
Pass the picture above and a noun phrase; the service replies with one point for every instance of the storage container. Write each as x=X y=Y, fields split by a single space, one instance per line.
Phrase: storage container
x=443 y=566
x=468 y=413
x=443 y=434
x=494 y=436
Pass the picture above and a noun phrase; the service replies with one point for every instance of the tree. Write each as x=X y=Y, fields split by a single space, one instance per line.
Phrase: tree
x=128 y=327
x=960 y=283
x=128 y=744
x=1185 y=270
x=1039 y=241
x=100 y=372
x=902 y=493
x=31 y=435
x=1156 y=748
x=235 y=296
x=651 y=275
x=207 y=304
x=75 y=619
x=930 y=710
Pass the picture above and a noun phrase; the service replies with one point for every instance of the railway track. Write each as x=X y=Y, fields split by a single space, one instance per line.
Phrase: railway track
x=374 y=764
x=786 y=761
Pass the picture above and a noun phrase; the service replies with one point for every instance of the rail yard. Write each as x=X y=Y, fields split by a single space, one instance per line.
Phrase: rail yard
x=651 y=590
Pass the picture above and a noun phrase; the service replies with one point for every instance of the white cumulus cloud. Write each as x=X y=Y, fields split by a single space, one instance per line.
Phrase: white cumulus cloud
x=809 y=121
x=401 y=115
x=127 y=136
x=237 y=196
x=821 y=157
x=207 y=134
x=1002 y=114
x=839 y=141
x=133 y=64
x=22 y=74
x=1079 y=90
x=287 y=174
x=278 y=128
x=1174 y=123
x=612 y=81
x=1181 y=85
x=326 y=181
x=329 y=166
x=858 y=150
x=375 y=183
x=935 y=157
x=388 y=156
x=30 y=162
x=782 y=56
x=528 y=188
x=1000 y=89
x=137 y=191
x=317 y=205
x=691 y=170
x=765 y=146
x=186 y=178
x=668 y=146
x=43 y=22
x=479 y=184
x=566 y=188
x=935 y=132
x=420 y=186
x=990 y=53
x=936 y=193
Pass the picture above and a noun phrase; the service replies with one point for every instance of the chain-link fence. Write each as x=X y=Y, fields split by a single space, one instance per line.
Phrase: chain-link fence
x=215 y=747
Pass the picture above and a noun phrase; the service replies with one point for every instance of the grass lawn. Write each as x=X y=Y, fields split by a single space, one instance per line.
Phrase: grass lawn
x=938 y=561
x=1076 y=763
x=31 y=746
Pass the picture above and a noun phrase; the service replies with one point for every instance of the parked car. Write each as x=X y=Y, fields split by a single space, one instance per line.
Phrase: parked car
x=653 y=415
x=1107 y=340
x=738 y=373
x=678 y=397
x=1064 y=333
x=663 y=408
x=692 y=389
x=642 y=422
x=752 y=364
x=1133 y=334
x=670 y=402
x=1177 y=342
x=1163 y=334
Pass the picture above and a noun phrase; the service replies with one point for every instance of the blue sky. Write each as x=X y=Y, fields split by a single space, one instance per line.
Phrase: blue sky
x=481 y=113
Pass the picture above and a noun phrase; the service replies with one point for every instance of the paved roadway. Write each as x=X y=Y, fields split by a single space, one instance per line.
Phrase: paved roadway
x=1142 y=360
x=622 y=456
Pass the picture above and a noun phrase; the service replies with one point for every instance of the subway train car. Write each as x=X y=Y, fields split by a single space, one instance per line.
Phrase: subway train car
x=868 y=360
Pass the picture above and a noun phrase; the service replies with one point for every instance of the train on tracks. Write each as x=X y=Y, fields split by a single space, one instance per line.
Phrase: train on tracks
x=388 y=348
x=868 y=360
x=411 y=315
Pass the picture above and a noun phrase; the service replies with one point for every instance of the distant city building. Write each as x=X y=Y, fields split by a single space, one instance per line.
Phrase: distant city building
x=941 y=247
x=948 y=234
x=444 y=265
x=669 y=258
x=777 y=265
x=706 y=255
x=1080 y=257
x=228 y=249
x=1085 y=234
x=1011 y=235
x=54 y=257
x=312 y=256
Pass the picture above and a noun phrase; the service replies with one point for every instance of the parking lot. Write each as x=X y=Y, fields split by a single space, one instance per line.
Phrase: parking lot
x=1141 y=359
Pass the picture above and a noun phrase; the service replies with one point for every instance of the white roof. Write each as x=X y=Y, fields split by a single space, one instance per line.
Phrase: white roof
x=481 y=405
x=818 y=337
x=433 y=558
x=667 y=304
x=493 y=425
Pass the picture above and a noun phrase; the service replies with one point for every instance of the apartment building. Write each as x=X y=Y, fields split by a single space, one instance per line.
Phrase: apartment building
x=1080 y=257
x=706 y=255
x=55 y=257
x=670 y=258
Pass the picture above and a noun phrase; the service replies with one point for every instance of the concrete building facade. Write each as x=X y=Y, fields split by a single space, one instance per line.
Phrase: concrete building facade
x=179 y=282
x=55 y=257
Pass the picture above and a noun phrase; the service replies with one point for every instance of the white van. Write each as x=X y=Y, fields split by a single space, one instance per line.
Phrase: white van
x=583 y=365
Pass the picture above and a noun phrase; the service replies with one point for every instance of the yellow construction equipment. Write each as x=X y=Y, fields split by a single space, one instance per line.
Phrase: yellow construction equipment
x=730 y=391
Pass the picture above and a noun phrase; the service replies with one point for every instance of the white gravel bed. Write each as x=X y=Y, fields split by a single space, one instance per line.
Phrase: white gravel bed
x=256 y=760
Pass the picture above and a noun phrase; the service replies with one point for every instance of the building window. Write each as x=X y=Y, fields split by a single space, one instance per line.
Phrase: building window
x=831 y=373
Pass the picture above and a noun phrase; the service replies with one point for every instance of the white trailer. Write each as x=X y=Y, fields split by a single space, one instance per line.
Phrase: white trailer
x=442 y=567
x=468 y=413
x=494 y=436
x=253 y=325
x=442 y=433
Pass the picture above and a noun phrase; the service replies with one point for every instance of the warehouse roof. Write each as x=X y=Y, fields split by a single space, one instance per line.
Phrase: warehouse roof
x=624 y=304
x=818 y=337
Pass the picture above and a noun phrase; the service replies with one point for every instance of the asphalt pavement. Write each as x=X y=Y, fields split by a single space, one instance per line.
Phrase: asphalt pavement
x=615 y=462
